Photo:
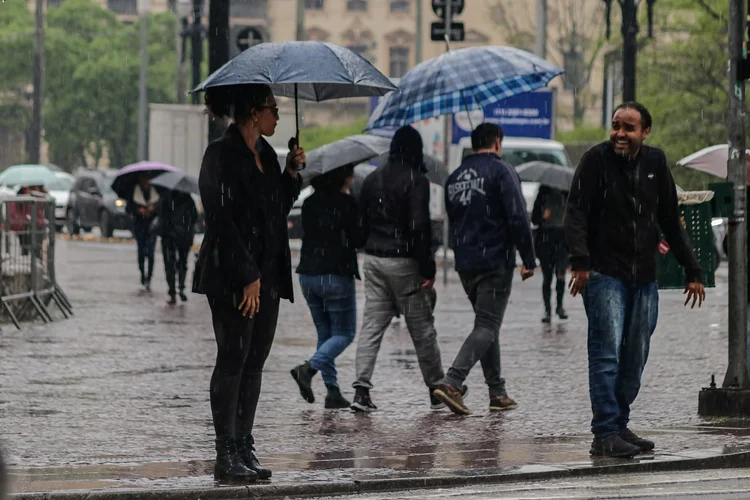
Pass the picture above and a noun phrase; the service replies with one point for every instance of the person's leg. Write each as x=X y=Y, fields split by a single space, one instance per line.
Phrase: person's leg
x=548 y=271
x=561 y=267
x=379 y=311
x=232 y=333
x=312 y=287
x=183 y=252
x=606 y=301
x=640 y=325
x=417 y=305
x=340 y=311
x=141 y=244
x=150 y=251
x=170 y=255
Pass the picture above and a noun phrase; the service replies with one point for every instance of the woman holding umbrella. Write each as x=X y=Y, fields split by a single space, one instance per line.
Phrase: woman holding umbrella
x=142 y=205
x=244 y=264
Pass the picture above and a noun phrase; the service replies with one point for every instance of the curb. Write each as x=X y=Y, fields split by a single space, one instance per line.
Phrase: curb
x=730 y=460
x=103 y=239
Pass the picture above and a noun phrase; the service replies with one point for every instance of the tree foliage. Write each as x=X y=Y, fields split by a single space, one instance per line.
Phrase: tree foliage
x=16 y=49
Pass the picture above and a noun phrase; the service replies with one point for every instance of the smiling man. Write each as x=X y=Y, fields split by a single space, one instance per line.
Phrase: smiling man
x=622 y=194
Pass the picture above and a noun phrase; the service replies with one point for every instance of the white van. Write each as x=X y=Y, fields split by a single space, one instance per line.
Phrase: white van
x=518 y=150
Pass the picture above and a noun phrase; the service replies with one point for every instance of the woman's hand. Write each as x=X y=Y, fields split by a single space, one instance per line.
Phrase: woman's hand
x=250 y=299
x=295 y=157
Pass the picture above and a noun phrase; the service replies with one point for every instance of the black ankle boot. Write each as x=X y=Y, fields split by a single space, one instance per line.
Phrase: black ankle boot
x=547 y=318
x=303 y=375
x=560 y=294
x=246 y=452
x=228 y=466
x=334 y=399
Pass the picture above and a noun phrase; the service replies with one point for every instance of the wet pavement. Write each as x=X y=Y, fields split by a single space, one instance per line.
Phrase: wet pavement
x=118 y=395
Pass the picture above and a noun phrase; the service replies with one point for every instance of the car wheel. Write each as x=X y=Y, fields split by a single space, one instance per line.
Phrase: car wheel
x=73 y=223
x=104 y=225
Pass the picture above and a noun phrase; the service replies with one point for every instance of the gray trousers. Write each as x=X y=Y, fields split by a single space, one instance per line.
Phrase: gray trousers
x=393 y=286
x=488 y=292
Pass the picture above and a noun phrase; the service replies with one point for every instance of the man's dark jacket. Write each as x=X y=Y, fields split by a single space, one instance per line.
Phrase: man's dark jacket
x=246 y=219
x=395 y=204
x=487 y=214
x=615 y=210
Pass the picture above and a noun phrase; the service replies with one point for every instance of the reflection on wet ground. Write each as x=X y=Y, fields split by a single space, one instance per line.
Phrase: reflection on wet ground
x=118 y=395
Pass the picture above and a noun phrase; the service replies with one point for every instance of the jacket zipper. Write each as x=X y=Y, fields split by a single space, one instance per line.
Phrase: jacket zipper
x=635 y=220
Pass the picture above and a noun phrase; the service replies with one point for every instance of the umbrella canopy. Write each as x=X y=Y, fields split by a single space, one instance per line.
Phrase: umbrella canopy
x=177 y=181
x=712 y=160
x=358 y=149
x=314 y=71
x=27 y=175
x=547 y=174
x=127 y=177
x=461 y=80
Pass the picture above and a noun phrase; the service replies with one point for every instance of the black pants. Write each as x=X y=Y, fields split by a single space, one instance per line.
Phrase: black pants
x=176 y=252
x=146 y=242
x=553 y=256
x=243 y=346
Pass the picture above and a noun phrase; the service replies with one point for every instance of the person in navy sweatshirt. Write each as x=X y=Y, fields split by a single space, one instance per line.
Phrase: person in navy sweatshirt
x=488 y=221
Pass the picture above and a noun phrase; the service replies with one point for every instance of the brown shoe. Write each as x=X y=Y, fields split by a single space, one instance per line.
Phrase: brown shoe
x=452 y=398
x=502 y=403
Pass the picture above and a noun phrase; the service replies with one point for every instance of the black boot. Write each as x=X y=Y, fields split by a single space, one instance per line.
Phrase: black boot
x=560 y=294
x=172 y=299
x=334 y=399
x=547 y=318
x=246 y=452
x=303 y=375
x=183 y=297
x=228 y=466
x=613 y=446
x=547 y=296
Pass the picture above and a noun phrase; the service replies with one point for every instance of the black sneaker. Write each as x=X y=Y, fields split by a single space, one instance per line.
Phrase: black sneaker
x=630 y=437
x=362 y=401
x=613 y=446
x=436 y=404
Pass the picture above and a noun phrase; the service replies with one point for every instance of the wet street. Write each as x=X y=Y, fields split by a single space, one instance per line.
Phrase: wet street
x=125 y=382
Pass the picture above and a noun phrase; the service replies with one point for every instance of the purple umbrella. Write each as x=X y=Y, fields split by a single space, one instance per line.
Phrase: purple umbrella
x=127 y=177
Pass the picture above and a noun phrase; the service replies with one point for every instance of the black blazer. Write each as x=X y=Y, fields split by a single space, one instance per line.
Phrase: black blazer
x=246 y=219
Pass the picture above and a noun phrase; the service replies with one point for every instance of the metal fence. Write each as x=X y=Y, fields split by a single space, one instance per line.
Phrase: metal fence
x=28 y=287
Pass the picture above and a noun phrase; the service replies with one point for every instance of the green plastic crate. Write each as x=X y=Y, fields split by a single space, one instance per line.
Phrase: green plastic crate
x=723 y=201
x=697 y=221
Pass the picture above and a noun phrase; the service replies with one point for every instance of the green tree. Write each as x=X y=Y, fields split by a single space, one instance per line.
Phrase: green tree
x=16 y=54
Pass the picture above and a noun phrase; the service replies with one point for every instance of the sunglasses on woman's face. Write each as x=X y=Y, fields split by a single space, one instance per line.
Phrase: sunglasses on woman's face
x=274 y=110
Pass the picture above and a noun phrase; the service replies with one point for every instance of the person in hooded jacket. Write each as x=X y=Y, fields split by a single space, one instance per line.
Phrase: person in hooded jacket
x=177 y=217
x=399 y=267
x=244 y=265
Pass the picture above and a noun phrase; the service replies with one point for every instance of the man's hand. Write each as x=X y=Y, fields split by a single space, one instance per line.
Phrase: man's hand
x=578 y=282
x=526 y=273
x=696 y=292
x=428 y=284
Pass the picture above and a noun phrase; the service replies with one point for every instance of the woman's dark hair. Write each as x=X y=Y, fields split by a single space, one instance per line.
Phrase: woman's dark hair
x=334 y=180
x=237 y=101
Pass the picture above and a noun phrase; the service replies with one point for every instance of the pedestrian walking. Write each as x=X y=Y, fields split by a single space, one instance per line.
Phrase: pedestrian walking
x=622 y=194
x=143 y=207
x=332 y=231
x=488 y=222
x=399 y=266
x=549 y=242
x=244 y=265
x=177 y=218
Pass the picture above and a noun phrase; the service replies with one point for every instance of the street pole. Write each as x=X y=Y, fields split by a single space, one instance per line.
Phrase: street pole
x=629 y=47
x=419 y=35
x=447 y=119
x=541 y=28
x=35 y=148
x=196 y=47
x=218 y=50
x=737 y=374
x=300 y=33
x=142 y=86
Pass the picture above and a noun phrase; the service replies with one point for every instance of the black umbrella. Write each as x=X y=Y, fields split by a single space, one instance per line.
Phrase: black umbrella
x=548 y=174
x=177 y=181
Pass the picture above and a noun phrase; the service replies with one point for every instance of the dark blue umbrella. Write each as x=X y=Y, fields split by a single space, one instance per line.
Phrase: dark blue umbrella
x=314 y=71
x=461 y=80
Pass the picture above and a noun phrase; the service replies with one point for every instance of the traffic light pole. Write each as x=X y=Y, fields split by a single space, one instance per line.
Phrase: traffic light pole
x=629 y=47
x=218 y=50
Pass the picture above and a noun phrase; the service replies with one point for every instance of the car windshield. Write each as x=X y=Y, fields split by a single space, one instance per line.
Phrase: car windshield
x=60 y=184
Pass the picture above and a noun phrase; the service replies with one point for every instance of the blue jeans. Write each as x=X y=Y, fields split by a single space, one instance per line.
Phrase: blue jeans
x=332 y=301
x=622 y=318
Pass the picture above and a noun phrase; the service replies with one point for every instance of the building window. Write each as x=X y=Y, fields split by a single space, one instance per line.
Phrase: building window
x=314 y=4
x=398 y=61
x=255 y=9
x=127 y=7
x=400 y=6
x=356 y=5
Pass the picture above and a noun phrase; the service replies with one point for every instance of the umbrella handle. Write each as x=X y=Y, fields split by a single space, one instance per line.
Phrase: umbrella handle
x=294 y=141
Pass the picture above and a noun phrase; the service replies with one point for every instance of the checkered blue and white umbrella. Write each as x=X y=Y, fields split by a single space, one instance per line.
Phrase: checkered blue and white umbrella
x=461 y=80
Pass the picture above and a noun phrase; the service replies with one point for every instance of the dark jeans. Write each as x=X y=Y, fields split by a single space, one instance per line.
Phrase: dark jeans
x=243 y=345
x=488 y=292
x=553 y=257
x=146 y=242
x=622 y=318
x=332 y=301
x=176 y=252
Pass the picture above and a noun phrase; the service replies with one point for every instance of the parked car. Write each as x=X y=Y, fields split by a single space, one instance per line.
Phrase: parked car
x=93 y=203
x=59 y=189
